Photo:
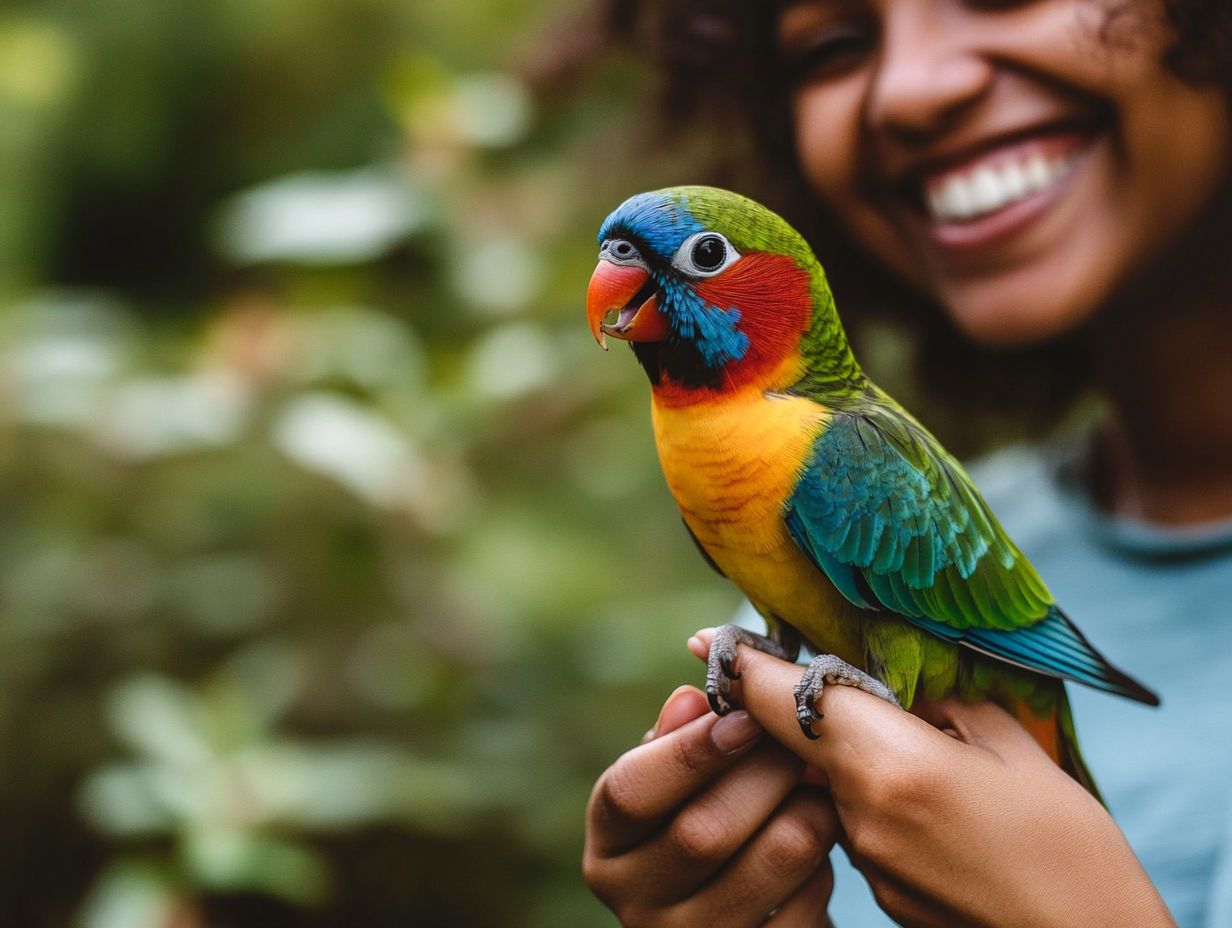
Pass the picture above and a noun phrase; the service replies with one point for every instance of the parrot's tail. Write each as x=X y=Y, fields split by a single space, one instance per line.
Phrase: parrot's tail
x=1054 y=731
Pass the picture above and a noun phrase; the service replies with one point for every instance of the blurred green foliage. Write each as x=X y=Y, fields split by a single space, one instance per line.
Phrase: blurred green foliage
x=335 y=562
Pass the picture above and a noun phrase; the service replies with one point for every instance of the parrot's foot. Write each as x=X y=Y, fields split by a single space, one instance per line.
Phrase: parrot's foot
x=823 y=669
x=720 y=669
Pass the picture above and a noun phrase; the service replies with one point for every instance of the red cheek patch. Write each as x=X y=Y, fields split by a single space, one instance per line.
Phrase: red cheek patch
x=773 y=297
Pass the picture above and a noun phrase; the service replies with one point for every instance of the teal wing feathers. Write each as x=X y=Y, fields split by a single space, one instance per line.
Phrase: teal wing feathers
x=896 y=524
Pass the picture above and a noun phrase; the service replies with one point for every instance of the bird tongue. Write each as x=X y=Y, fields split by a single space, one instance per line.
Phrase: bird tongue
x=625 y=319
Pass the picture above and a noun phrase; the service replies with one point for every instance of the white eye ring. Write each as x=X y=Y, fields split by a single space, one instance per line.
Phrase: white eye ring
x=685 y=262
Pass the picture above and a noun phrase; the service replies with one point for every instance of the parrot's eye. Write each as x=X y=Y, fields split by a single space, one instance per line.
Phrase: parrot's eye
x=620 y=251
x=709 y=252
x=705 y=254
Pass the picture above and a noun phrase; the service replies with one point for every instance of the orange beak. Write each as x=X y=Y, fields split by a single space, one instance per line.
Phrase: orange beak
x=629 y=291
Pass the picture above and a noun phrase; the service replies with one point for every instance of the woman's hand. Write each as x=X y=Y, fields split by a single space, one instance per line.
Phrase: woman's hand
x=956 y=817
x=706 y=823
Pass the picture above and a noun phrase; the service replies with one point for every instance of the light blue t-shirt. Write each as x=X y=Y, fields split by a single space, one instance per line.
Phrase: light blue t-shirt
x=1158 y=604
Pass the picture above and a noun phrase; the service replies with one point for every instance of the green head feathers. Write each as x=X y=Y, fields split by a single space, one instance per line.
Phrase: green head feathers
x=663 y=219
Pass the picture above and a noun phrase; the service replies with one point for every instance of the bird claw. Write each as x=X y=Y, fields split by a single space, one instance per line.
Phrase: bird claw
x=828 y=668
x=720 y=666
x=806 y=715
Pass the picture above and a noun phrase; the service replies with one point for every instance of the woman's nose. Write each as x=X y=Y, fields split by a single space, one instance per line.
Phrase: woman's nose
x=929 y=71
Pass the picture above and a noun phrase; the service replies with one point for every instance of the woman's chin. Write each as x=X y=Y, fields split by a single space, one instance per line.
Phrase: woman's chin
x=1034 y=305
x=1017 y=322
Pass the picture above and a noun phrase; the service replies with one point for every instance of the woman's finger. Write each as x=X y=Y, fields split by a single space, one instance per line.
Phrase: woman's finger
x=855 y=725
x=806 y=908
x=685 y=704
x=708 y=831
x=644 y=785
x=771 y=869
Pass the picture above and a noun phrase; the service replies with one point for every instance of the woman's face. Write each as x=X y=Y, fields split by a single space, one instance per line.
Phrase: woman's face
x=1016 y=161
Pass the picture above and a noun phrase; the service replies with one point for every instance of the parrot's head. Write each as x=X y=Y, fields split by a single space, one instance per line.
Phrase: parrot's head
x=712 y=290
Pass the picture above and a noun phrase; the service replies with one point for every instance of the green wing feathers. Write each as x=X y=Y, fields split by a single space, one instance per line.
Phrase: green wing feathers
x=881 y=496
x=896 y=524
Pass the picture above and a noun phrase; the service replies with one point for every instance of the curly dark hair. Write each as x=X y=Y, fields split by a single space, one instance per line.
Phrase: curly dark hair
x=720 y=69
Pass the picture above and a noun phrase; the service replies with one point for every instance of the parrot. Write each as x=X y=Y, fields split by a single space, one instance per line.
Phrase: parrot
x=846 y=524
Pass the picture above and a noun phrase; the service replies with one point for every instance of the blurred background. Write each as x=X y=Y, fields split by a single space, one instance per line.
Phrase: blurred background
x=335 y=561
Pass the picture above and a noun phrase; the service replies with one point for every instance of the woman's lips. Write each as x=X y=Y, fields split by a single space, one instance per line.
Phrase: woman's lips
x=991 y=196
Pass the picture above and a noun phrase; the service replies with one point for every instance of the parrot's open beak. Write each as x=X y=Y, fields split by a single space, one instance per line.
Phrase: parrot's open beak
x=631 y=292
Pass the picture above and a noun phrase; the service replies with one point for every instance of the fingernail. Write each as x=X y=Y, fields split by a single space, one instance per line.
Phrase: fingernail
x=735 y=731
x=668 y=703
x=649 y=736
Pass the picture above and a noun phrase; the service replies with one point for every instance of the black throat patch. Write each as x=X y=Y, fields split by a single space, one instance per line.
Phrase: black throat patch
x=680 y=361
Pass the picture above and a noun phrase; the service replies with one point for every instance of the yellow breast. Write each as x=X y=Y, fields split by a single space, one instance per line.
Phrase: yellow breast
x=731 y=465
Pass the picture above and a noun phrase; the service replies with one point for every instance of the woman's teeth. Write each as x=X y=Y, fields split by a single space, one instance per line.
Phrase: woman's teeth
x=976 y=192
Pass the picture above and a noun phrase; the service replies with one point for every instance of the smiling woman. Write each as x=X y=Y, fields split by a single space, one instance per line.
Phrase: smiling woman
x=1031 y=180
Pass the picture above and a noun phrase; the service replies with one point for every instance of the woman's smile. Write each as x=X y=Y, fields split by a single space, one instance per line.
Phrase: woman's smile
x=988 y=195
x=964 y=205
x=989 y=155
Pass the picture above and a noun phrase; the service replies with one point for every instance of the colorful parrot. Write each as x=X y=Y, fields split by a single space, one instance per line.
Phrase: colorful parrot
x=840 y=517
